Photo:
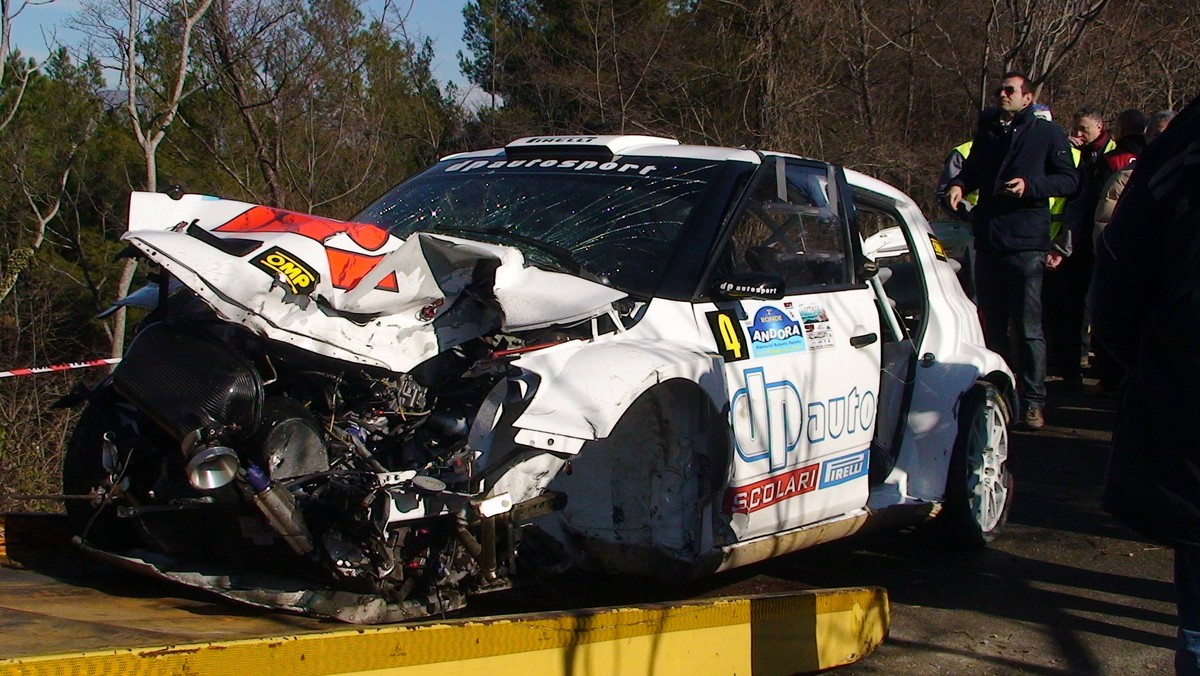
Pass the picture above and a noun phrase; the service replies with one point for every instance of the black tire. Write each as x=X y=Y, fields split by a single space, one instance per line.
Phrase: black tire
x=95 y=521
x=979 y=485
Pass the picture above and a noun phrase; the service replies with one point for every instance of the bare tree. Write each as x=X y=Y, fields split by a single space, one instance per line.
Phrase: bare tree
x=43 y=207
x=125 y=25
x=240 y=44
x=325 y=103
x=1043 y=33
x=8 y=12
x=21 y=258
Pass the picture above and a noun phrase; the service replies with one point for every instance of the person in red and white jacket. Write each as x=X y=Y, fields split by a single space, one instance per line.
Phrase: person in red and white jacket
x=1115 y=165
x=1129 y=134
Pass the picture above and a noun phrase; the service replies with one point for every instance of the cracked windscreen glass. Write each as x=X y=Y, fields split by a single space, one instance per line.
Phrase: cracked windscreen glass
x=617 y=222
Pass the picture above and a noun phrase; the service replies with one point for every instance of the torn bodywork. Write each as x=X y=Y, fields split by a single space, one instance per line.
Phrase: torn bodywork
x=317 y=415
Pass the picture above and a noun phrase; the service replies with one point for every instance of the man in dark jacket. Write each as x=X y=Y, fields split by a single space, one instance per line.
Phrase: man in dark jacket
x=1147 y=314
x=1017 y=163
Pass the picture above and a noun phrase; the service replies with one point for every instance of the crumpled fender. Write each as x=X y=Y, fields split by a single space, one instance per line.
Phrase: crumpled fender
x=351 y=291
x=582 y=396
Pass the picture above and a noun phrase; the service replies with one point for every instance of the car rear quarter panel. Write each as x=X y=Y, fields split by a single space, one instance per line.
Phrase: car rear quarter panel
x=954 y=338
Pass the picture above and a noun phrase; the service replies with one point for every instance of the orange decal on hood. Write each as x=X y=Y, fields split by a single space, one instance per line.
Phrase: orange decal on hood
x=347 y=268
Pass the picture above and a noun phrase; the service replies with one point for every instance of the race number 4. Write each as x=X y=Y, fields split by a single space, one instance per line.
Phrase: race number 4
x=728 y=333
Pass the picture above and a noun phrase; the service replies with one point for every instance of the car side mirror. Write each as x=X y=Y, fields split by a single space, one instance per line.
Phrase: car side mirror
x=867 y=269
x=743 y=285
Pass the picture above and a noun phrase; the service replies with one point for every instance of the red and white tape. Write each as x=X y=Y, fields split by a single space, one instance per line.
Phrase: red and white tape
x=59 y=367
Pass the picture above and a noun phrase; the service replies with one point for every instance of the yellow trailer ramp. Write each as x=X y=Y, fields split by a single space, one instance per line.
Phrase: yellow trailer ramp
x=785 y=633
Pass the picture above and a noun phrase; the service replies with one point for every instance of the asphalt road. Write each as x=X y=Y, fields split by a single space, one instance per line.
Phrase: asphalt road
x=1065 y=589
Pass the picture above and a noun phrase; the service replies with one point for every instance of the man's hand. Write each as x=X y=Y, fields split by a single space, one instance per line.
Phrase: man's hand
x=1076 y=141
x=1053 y=260
x=954 y=196
x=1014 y=187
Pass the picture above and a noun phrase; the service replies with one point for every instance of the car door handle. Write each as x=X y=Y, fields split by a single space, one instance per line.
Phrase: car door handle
x=863 y=340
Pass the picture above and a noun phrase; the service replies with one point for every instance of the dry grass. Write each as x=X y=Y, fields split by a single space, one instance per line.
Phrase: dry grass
x=32 y=438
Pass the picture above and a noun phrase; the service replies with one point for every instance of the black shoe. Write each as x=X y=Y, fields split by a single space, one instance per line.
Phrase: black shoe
x=1033 y=420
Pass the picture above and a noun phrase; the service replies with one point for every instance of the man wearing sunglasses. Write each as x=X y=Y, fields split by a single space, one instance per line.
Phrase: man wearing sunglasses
x=1017 y=163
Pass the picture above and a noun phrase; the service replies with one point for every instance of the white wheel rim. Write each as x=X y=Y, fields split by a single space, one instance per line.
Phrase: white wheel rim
x=991 y=474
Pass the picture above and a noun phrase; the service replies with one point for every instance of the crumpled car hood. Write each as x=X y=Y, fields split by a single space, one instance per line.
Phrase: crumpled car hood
x=351 y=291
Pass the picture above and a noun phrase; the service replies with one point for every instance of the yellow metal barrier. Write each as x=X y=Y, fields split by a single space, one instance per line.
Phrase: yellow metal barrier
x=762 y=634
x=772 y=634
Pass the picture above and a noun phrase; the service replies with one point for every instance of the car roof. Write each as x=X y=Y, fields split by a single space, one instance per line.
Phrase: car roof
x=597 y=146
x=860 y=180
x=601 y=145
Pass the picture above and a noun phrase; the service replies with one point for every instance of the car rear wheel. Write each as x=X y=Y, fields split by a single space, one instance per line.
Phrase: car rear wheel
x=979 y=485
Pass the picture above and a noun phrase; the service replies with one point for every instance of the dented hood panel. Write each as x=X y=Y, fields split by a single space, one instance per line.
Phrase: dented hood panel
x=352 y=291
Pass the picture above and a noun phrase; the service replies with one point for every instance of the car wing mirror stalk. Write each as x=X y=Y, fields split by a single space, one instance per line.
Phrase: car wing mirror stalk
x=867 y=269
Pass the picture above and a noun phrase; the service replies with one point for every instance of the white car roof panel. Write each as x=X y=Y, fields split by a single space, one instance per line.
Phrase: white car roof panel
x=647 y=146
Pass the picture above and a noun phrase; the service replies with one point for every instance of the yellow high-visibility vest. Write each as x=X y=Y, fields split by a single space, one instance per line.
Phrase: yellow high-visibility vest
x=1059 y=204
x=965 y=151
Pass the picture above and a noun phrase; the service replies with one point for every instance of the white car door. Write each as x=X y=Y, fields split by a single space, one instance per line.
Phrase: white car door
x=803 y=370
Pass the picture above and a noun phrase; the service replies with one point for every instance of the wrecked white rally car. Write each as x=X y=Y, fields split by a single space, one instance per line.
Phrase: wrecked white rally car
x=610 y=353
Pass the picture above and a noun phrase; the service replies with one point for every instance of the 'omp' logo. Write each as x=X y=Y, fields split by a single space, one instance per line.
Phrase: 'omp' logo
x=287 y=268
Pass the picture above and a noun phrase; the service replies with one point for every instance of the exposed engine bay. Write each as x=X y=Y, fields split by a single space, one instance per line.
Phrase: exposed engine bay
x=366 y=479
x=322 y=416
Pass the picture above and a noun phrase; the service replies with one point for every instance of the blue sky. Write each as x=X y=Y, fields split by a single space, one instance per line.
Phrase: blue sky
x=440 y=20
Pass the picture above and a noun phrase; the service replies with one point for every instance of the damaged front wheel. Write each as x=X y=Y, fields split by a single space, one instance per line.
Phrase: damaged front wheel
x=643 y=499
x=90 y=469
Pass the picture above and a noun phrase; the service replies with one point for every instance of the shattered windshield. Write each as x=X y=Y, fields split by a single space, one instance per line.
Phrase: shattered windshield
x=619 y=222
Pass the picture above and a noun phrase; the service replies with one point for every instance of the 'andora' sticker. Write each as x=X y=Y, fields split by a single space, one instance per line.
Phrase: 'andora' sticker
x=774 y=332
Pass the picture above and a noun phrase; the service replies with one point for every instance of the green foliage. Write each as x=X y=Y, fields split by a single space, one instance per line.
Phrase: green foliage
x=48 y=314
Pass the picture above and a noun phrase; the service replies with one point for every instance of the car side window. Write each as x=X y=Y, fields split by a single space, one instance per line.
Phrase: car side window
x=791 y=227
